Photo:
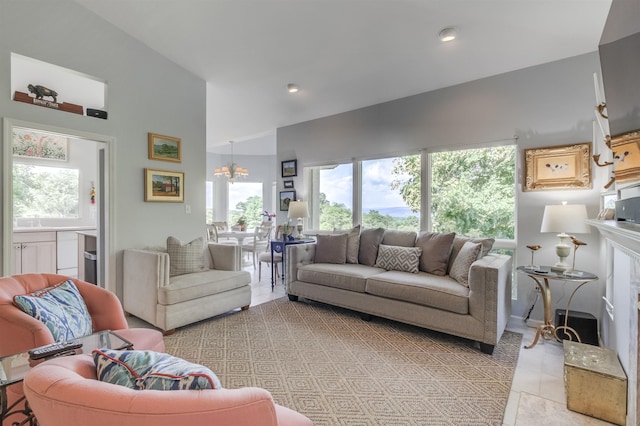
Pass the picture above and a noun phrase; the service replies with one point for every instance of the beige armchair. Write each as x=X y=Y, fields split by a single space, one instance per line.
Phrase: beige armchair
x=168 y=302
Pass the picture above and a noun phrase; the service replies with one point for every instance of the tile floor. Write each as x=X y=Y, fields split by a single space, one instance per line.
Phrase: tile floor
x=537 y=395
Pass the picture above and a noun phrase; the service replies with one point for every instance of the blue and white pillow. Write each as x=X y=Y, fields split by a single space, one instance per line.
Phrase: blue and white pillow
x=141 y=370
x=61 y=308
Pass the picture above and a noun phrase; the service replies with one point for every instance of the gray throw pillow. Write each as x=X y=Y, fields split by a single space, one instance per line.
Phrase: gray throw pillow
x=462 y=264
x=370 y=239
x=331 y=248
x=398 y=258
x=353 y=243
x=399 y=238
x=436 y=248
x=458 y=242
x=185 y=258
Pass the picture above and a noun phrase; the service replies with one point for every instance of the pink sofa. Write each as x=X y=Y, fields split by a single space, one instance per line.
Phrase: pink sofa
x=20 y=332
x=64 y=391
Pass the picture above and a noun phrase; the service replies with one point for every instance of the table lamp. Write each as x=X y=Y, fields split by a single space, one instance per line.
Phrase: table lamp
x=565 y=219
x=298 y=210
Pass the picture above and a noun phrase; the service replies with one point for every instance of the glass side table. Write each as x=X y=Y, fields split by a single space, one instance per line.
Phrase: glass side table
x=541 y=275
x=13 y=369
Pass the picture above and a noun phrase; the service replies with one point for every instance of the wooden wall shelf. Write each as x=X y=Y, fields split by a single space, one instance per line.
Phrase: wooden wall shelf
x=62 y=106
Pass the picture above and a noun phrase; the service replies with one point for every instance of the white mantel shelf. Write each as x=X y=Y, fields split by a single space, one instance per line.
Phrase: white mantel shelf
x=624 y=233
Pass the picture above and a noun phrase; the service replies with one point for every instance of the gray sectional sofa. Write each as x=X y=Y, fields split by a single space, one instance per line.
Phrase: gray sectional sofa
x=455 y=286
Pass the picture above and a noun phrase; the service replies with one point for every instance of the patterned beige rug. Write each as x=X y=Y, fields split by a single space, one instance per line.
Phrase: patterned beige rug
x=339 y=370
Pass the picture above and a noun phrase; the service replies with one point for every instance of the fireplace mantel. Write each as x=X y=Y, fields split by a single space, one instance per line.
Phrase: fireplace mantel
x=623 y=301
x=625 y=234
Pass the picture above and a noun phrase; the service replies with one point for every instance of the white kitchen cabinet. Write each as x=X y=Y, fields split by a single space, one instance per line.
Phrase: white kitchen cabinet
x=34 y=252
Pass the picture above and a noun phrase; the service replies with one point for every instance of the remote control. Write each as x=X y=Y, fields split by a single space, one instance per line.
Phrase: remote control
x=54 y=349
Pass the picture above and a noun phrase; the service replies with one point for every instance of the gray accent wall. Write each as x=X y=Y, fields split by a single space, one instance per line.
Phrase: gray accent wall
x=146 y=93
x=545 y=105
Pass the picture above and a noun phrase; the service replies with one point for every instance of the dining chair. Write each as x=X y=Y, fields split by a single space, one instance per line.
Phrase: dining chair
x=212 y=233
x=259 y=242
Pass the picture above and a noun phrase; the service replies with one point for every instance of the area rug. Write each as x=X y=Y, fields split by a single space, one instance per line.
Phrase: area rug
x=337 y=369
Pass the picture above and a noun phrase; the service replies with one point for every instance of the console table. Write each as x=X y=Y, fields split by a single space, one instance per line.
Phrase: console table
x=280 y=246
x=13 y=369
x=548 y=329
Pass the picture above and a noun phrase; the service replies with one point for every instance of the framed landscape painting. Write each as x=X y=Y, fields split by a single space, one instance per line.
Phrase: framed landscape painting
x=290 y=168
x=165 y=148
x=163 y=186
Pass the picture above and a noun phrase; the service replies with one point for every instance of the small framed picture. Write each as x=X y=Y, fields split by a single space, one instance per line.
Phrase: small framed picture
x=285 y=198
x=163 y=186
x=290 y=168
x=165 y=148
x=288 y=184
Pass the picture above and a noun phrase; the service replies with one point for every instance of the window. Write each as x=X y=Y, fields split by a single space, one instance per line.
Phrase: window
x=45 y=192
x=391 y=193
x=331 y=205
x=245 y=199
x=473 y=192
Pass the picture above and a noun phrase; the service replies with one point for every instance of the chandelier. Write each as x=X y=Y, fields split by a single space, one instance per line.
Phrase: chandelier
x=231 y=171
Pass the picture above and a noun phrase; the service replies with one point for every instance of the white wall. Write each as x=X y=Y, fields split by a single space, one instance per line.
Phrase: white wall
x=546 y=105
x=147 y=93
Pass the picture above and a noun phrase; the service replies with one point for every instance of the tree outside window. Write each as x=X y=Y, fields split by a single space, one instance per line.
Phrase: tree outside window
x=45 y=192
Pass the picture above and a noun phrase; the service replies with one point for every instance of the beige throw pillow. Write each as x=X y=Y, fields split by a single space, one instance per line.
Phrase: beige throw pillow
x=398 y=258
x=370 y=239
x=353 y=243
x=331 y=248
x=185 y=258
x=436 y=248
x=461 y=266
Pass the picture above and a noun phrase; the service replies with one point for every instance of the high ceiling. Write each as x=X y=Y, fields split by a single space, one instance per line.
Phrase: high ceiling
x=343 y=54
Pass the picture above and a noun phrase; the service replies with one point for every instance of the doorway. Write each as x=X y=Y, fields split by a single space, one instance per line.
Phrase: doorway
x=97 y=150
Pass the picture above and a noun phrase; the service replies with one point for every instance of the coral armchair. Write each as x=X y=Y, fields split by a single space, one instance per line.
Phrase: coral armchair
x=20 y=332
x=64 y=391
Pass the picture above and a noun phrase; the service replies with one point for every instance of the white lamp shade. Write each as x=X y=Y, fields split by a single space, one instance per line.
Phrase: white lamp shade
x=567 y=218
x=298 y=209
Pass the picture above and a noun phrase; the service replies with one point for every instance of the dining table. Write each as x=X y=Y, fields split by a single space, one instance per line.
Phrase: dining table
x=238 y=235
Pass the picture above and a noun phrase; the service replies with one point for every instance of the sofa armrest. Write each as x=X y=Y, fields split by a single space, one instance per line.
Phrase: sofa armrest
x=225 y=257
x=298 y=255
x=490 y=294
x=143 y=272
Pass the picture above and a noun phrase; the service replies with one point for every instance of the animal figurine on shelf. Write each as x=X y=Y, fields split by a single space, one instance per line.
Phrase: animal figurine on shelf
x=41 y=91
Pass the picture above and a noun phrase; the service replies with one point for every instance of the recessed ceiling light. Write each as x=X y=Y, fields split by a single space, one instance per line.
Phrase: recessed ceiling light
x=447 y=34
x=292 y=88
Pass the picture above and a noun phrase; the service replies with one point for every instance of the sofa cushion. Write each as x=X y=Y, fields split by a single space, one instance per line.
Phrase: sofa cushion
x=347 y=277
x=397 y=258
x=436 y=249
x=185 y=258
x=392 y=237
x=458 y=242
x=200 y=284
x=442 y=292
x=370 y=239
x=61 y=308
x=461 y=265
x=331 y=248
x=142 y=370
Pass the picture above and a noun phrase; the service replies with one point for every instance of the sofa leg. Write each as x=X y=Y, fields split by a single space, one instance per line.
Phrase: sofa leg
x=293 y=297
x=245 y=308
x=486 y=348
x=365 y=317
x=168 y=332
